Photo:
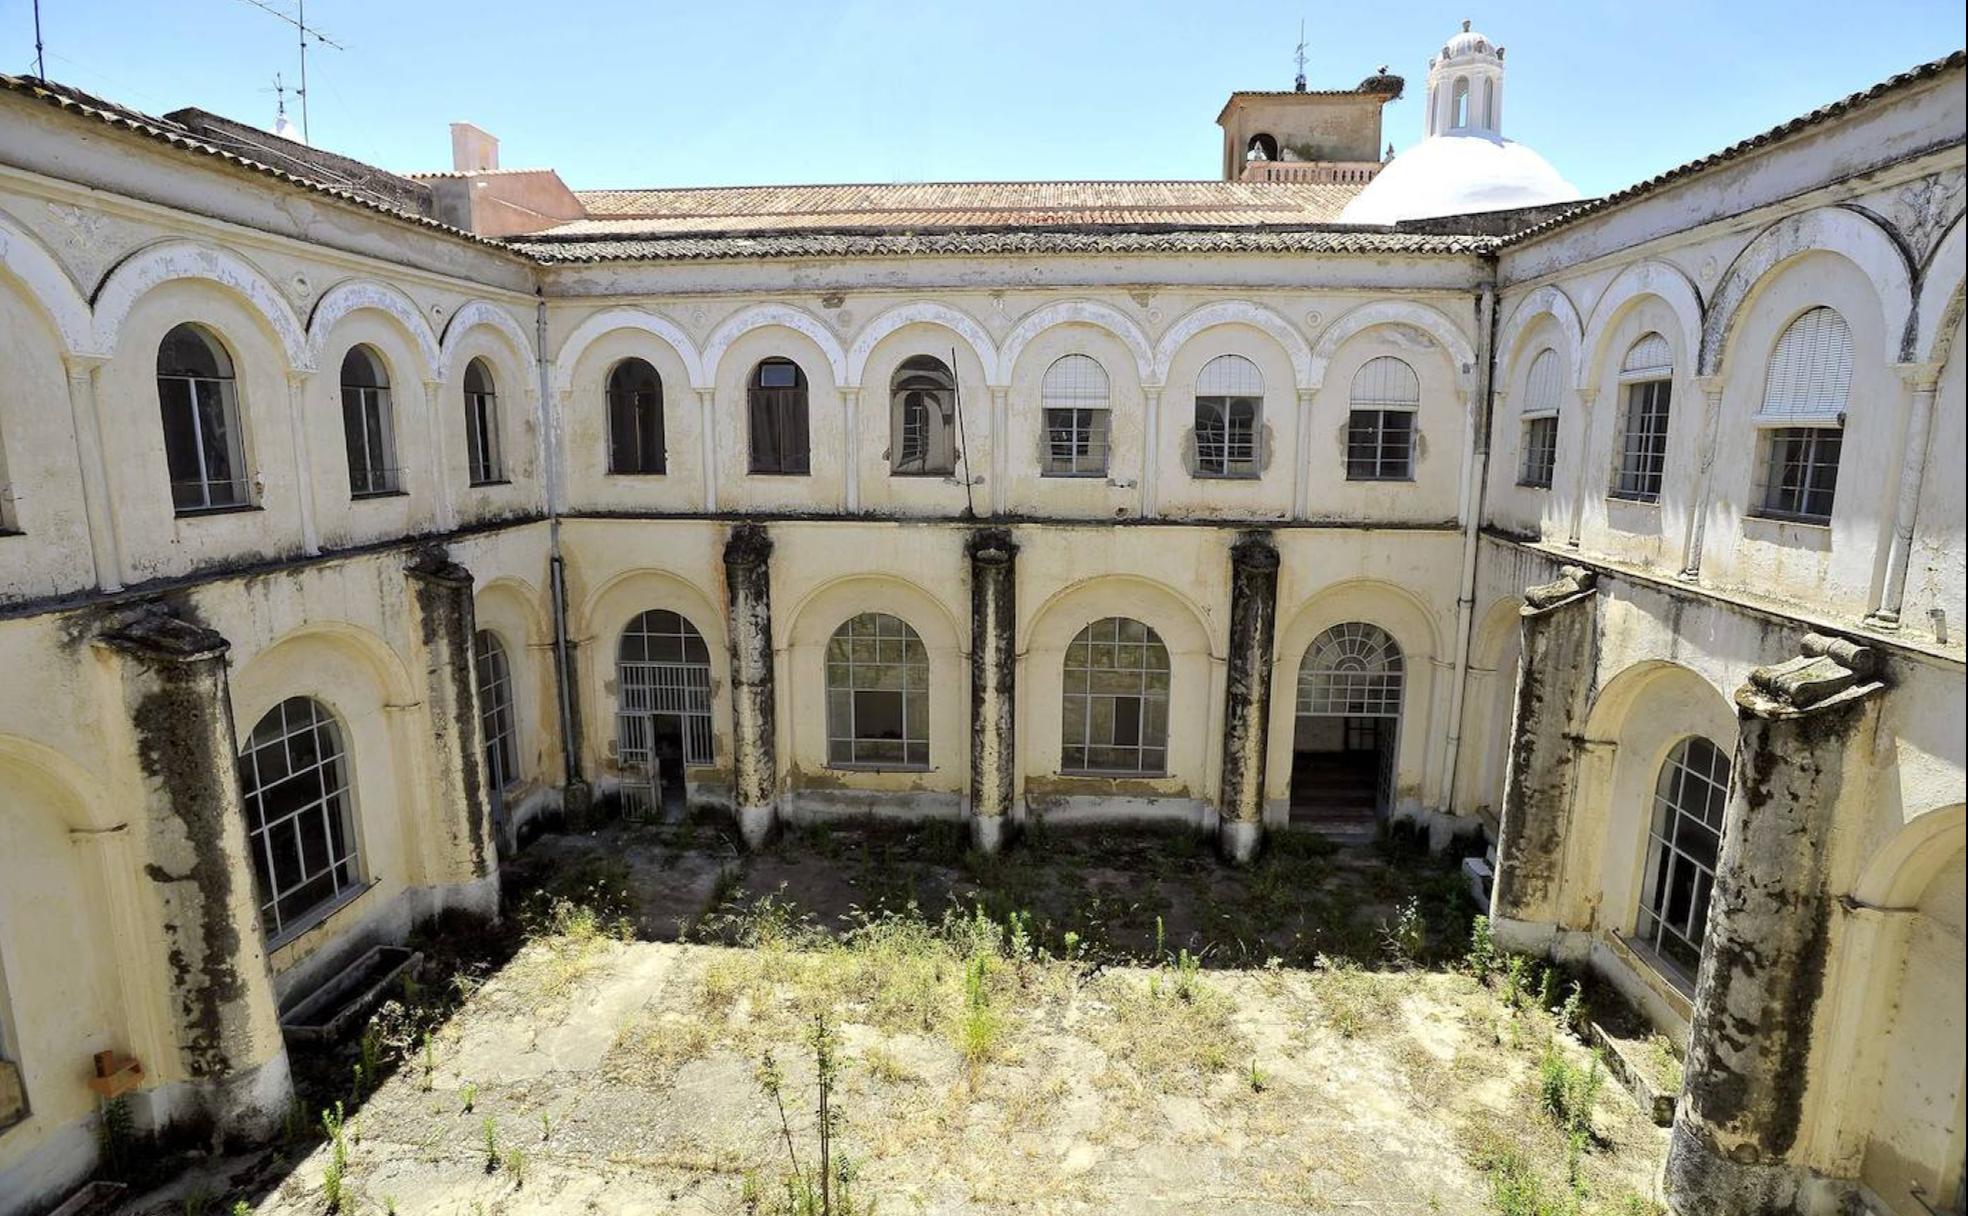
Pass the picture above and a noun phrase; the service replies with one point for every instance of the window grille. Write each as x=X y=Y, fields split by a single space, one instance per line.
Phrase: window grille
x=1690 y=799
x=200 y=407
x=877 y=694
x=662 y=686
x=1810 y=375
x=1116 y=700
x=1800 y=472
x=1074 y=396
x=1541 y=395
x=922 y=395
x=1229 y=397
x=294 y=779
x=635 y=418
x=778 y=415
x=1351 y=670
x=495 y=712
x=482 y=452
x=1380 y=428
x=368 y=427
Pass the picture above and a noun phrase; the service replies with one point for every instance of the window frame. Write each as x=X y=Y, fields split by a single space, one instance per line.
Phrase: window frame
x=1151 y=705
x=362 y=406
x=890 y=643
x=333 y=762
x=1666 y=855
x=1773 y=442
x=484 y=452
x=1227 y=465
x=195 y=409
x=1082 y=419
x=693 y=685
x=939 y=381
x=1538 y=422
x=498 y=710
x=1369 y=456
x=791 y=409
x=642 y=406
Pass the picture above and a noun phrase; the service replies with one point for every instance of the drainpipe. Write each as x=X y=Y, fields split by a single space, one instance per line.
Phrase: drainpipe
x=1472 y=518
x=570 y=754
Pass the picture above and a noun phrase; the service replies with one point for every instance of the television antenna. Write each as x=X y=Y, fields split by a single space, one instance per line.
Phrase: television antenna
x=298 y=19
x=1300 y=83
x=40 y=62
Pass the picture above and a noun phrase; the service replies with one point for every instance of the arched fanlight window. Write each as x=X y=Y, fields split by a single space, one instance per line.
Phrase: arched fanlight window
x=1691 y=796
x=300 y=821
x=923 y=417
x=635 y=418
x=1805 y=393
x=482 y=450
x=1352 y=670
x=495 y=711
x=1381 y=425
x=877 y=694
x=203 y=447
x=368 y=425
x=778 y=414
x=1540 y=421
x=1074 y=395
x=1229 y=403
x=1647 y=380
x=1116 y=694
x=663 y=704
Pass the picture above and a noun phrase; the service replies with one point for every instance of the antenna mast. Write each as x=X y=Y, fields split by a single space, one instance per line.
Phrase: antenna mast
x=304 y=31
x=1299 y=85
x=40 y=63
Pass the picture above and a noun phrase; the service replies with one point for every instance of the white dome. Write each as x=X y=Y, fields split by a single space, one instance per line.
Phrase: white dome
x=1456 y=175
x=1467 y=42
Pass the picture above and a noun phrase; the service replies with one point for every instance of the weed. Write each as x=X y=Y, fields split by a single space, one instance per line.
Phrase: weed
x=546 y=1127
x=1666 y=1059
x=1567 y=1092
x=197 y=1204
x=491 y=1130
x=980 y=1028
x=1259 y=1082
x=335 y=1191
x=1482 y=956
x=1571 y=1015
x=1513 y=982
x=241 y=1208
x=1404 y=941
x=116 y=1138
x=467 y=1097
x=515 y=1165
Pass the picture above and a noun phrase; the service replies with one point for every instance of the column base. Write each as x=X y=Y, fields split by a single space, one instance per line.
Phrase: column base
x=1700 y=1180
x=1239 y=839
x=987 y=833
x=758 y=824
x=1524 y=936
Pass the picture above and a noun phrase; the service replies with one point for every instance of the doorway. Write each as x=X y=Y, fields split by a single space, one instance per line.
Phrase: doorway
x=1345 y=733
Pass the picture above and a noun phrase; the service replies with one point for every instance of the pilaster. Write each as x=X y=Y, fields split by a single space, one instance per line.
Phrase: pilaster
x=105 y=543
x=1711 y=391
x=297 y=429
x=1923 y=380
x=444 y=510
x=707 y=432
x=460 y=851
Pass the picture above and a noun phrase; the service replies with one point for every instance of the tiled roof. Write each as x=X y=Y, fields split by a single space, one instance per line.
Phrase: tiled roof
x=1016 y=241
x=1823 y=114
x=83 y=105
x=954 y=205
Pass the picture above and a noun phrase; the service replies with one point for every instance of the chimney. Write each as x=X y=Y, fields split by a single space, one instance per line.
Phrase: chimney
x=472 y=150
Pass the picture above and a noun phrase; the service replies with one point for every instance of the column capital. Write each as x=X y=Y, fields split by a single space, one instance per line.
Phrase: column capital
x=1254 y=551
x=992 y=547
x=1573 y=584
x=152 y=633
x=434 y=565
x=1828 y=673
x=1710 y=386
x=82 y=365
x=1920 y=377
x=748 y=545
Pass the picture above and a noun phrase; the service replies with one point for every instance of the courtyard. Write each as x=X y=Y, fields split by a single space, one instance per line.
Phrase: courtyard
x=1095 y=1021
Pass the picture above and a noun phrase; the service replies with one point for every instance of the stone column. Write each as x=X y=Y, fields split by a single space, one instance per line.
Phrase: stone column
x=707 y=421
x=748 y=612
x=1738 y=1143
x=461 y=853
x=993 y=675
x=1554 y=689
x=229 y=1075
x=1302 y=470
x=443 y=509
x=303 y=461
x=1151 y=449
x=1000 y=447
x=850 y=403
x=1247 y=694
x=105 y=546
x=1924 y=380
x=1711 y=390
x=1587 y=464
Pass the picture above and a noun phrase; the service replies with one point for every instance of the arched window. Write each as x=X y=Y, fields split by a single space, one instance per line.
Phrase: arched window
x=202 y=443
x=1805 y=393
x=1489 y=104
x=877 y=694
x=1460 y=100
x=1541 y=389
x=635 y=418
x=663 y=707
x=1074 y=396
x=922 y=417
x=300 y=823
x=1116 y=700
x=1261 y=147
x=1229 y=399
x=482 y=454
x=495 y=712
x=778 y=410
x=1352 y=670
x=367 y=425
x=1380 y=430
x=1690 y=797
x=1647 y=379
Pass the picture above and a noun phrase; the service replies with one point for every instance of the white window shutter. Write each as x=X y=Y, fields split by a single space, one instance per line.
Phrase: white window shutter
x=1651 y=356
x=1810 y=375
x=1386 y=383
x=1542 y=387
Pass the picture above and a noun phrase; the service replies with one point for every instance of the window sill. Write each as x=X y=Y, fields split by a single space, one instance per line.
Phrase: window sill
x=1633 y=500
x=1666 y=974
x=492 y=484
x=372 y=495
x=202 y=512
x=778 y=473
x=1791 y=533
x=1408 y=480
x=284 y=951
x=1201 y=476
x=1533 y=485
x=1108 y=774
x=638 y=473
x=1075 y=476
x=876 y=768
x=6 y=532
x=924 y=474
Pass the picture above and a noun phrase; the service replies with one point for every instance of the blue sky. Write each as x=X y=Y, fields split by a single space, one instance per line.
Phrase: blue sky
x=657 y=92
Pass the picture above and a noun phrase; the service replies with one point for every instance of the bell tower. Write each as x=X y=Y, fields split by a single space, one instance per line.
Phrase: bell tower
x=1465 y=87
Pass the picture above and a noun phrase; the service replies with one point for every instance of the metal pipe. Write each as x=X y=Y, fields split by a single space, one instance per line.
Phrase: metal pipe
x=1473 y=496
x=570 y=756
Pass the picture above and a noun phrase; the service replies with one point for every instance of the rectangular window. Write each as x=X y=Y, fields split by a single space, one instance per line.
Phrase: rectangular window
x=1643 y=442
x=1226 y=437
x=371 y=447
x=779 y=436
x=1540 y=452
x=1076 y=443
x=1800 y=472
x=482 y=436
x=1380 y=445
x=201 y=442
